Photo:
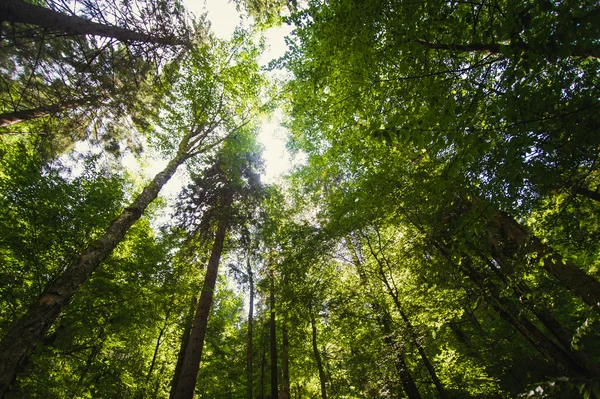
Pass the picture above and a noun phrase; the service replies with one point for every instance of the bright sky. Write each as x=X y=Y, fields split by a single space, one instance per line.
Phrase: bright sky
x=224 y=18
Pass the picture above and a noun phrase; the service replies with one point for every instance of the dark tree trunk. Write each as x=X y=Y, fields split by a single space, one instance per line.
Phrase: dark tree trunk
x=157 y=347
x=21 y=12
x=550 y=350
x=193 y=353
x=249 y=354
x=10 y=118
x=285 y=363
x=594 y=195
x=273 y=336
x=28 y=331
x=545 y=316
x=406 y=377
x=88 y=364
x=185 y=338
x=575 y=279
x=322 y=376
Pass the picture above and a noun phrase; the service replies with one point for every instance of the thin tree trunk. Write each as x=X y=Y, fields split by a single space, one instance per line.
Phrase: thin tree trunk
x=263 y=362
x=26 y=13
x=26 y=332
x=157 y=347
x=575 y=279
x=88 y=364
x=273 y=336
x=285 y=363
x=550 y=350
x=249 y=354
x=385 y=323
x=322 y=376
x=185 y=338
x=393 y=292
x=10 y=118
x=545 y=316
x=193 y=353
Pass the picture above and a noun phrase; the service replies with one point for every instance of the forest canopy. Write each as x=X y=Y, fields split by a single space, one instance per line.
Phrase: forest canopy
x=441 y=238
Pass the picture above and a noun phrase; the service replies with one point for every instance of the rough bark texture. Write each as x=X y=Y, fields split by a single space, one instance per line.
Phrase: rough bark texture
x=10 y=118
x=193 y=354
x=21 y=12
x=185 y=338
x=322 y=376
x=575 y=279
x=28 y=331
x=249 y=354
x=273 y=336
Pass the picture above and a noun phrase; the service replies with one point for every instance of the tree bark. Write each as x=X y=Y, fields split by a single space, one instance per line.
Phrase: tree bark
x=594 y=195
x=249 y=354
x=285 y=363
x=193 y=353
x=273 y=336
x=545 y=316
x=21 y=12
x=10 y=118
x=185 y=338
x=322 y=375
x=28 y=331
x=575 y=279
x=406 y=377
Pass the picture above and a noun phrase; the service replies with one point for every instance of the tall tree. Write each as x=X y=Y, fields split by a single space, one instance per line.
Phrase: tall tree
x=217 y=91
x=208 y=204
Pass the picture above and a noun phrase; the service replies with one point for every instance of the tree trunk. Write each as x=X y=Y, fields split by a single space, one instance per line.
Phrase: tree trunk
x=322 y=376
x=575 y=279
x=393 y=292
x=157 y=347
x=88 y=364
x=193 y=353
x=406 y=377
x=249 y=354
x=26 y=332
x=385 y=323
x=285 y=363
x=273 y=336
x=545 y=316
x=26 y=13
x=550 y=350
x=185 y=338
x=594 y=195
x=10 y=118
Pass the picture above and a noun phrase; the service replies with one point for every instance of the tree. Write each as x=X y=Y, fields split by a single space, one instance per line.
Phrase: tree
x=202 y=134
x=230 y=179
